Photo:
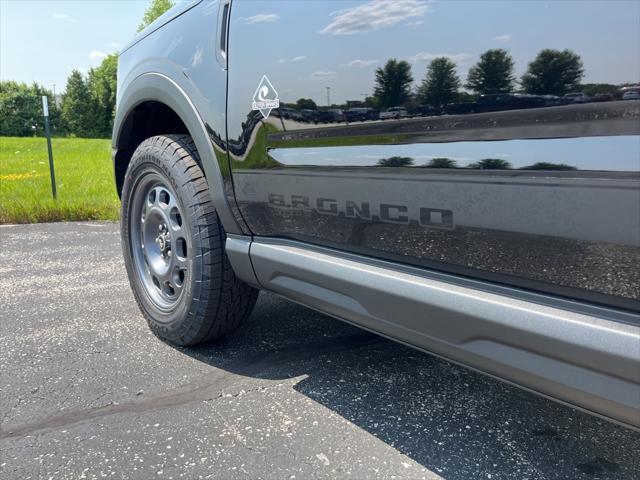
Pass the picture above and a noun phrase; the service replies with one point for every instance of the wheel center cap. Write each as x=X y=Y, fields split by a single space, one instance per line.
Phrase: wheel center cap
x=164 y=243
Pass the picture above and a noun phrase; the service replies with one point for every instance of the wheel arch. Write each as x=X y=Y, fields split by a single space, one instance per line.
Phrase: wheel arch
x=147 y=119
x=153 y=104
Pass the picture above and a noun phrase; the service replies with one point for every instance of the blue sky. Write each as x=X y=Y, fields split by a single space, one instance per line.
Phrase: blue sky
x=44 y=40
x=586 y=153
x=340 y=44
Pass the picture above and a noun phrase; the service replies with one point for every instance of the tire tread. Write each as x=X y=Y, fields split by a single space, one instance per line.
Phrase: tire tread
x=220 y=302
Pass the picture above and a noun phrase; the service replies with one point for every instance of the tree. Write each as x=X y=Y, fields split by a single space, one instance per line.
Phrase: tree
x=592 y=89
x=553 y=72
x=393 y=84
x=102 y=86
x=491 y=164
x=395 y=162
x=21 y=109
x=465 y=97
x=441 y=163
x=155 y=9
x=371 y=101
x=306 y=103
x=440 y=84
x=549 y=166
x=79 y=110
x=492 y=74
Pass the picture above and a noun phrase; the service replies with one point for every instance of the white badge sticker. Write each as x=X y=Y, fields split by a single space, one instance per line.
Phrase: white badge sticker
x=266 y=98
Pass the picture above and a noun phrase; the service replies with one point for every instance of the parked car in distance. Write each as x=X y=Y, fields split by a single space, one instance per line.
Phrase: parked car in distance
x=427 y=111
x=577 y=97
x=602 y=97
x=296 y=115
x=546 y=100
x=284 y=112
x=289 y=114
x=631 y=95
x=504 y=101
x=394 y=112
x=460 y=108
x=513 y=101
x=309 y=115
x=497 y=101
x=360 y=114
x=332 y=115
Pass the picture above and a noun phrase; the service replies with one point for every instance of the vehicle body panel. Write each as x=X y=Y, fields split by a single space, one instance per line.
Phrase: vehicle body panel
x=161 y=21
x=528 y=273
x=572 y=229
x=178 y=64
x=588 y=359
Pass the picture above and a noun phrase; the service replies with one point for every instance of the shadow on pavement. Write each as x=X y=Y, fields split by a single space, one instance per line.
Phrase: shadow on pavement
x=449 y=419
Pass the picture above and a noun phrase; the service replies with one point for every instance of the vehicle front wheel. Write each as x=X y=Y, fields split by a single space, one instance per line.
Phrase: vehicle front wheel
x=173 y=245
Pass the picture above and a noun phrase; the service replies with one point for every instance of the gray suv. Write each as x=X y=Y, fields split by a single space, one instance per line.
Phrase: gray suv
x=507 y=241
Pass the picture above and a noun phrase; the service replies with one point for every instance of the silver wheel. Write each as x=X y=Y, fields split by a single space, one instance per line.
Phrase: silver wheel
x=160 y=243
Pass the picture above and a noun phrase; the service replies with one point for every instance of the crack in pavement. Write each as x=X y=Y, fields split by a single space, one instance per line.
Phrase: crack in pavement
x=201 y=389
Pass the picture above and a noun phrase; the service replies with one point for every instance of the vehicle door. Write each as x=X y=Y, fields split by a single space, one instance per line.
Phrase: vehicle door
x=544 y=198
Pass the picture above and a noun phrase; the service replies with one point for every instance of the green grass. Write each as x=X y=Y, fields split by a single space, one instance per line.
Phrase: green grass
x=257 y=157
x=84 y=176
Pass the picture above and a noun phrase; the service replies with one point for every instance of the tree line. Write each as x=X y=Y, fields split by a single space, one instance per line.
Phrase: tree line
x=87 y=106
x=484 y=164
x=552 y=72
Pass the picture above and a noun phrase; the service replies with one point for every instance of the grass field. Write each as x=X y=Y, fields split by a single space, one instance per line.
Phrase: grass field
x=84 y=176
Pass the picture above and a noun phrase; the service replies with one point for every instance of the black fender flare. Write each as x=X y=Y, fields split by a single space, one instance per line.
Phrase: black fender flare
x=160 y=88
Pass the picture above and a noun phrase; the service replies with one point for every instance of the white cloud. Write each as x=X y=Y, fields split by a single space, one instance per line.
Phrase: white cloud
x=112 y=44
x=61 y=16
x=323 y=74
x=455 y=57
x=97 y=55
x=414 y=24
x=361 y=63
x=262 y=18
x=333 y=13
x=294 y=59
x=502 y=38
x=374 y=15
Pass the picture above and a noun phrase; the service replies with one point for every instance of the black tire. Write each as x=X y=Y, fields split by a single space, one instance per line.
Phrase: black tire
x=212 y=300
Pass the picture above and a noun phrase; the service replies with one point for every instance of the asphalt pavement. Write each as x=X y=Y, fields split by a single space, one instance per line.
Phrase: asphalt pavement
x=87 y=391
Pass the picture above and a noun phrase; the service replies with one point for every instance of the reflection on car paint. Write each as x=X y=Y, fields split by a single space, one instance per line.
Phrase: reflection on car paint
x=539 y=190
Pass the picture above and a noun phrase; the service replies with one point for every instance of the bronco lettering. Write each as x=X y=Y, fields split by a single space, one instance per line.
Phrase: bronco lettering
x=427 y=217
